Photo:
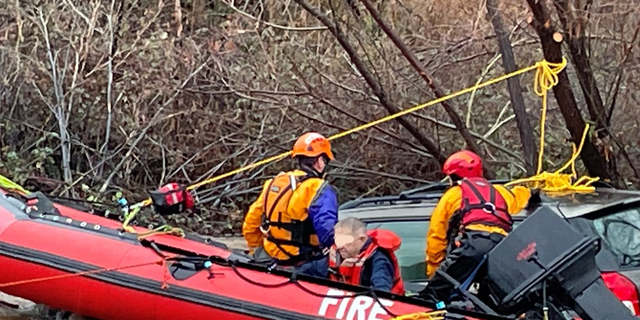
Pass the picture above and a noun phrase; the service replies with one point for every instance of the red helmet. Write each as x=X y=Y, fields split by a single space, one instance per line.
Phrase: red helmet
x=464 y=164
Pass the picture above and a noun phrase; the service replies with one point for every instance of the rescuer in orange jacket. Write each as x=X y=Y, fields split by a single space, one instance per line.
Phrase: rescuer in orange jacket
x=292 y=220
x=474 y=211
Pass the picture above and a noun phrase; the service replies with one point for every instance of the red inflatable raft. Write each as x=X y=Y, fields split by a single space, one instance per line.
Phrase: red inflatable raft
x=80 y=262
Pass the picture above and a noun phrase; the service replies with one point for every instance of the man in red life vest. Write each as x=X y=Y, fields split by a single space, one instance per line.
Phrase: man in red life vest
x=365 y=258
x=474 y=211
x=361 y=257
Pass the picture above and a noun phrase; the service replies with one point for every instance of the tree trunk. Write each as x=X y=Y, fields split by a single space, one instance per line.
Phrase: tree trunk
x=593 y=161
x=437 y=90
x=515 y=91
x=369 y=78
x=574 y=33
x=574 y=30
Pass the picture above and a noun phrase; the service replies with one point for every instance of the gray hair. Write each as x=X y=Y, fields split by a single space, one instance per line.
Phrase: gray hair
x=354 y=225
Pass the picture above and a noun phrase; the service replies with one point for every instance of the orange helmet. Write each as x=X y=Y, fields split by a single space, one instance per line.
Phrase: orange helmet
x=464 y=164
x=312 y=144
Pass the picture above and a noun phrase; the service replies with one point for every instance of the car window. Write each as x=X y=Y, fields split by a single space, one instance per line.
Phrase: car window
x=621 y=233
x=411 y=255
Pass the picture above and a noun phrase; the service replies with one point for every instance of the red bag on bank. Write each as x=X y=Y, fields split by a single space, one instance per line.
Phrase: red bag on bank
x=171 y=199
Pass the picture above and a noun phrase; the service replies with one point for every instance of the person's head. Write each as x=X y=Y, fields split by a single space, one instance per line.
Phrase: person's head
x=350 y=236
x=463 y=164
x=312 y=150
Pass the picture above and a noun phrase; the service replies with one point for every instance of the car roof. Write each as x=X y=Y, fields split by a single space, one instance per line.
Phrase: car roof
x=418 y=204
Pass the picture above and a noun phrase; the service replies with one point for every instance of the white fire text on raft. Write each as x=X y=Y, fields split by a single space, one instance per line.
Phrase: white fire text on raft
x=355 y=308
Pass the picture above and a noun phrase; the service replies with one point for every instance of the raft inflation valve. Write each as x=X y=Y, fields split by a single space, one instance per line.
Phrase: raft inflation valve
x=208 y=265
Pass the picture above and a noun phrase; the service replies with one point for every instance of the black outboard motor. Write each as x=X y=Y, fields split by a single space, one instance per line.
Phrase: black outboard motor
x=545 y=257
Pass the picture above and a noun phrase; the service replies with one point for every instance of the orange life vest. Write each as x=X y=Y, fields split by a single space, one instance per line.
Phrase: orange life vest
x=350 y=270
x=287 y=231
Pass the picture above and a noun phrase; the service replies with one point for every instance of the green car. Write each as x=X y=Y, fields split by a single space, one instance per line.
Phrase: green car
x=611 y=214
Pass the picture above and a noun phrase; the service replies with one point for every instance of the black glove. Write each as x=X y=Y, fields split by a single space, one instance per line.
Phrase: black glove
x=534 y=199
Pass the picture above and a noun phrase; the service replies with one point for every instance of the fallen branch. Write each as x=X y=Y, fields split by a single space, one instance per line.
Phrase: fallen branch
x=380 y=174
x=476 y=135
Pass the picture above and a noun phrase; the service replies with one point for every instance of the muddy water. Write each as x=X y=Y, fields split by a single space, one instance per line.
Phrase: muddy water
x=13 y=308
x=7 y=313
x=18 y=309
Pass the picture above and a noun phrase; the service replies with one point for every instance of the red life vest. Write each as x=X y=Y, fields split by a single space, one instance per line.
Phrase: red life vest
x=350 y=270
x=476 y=208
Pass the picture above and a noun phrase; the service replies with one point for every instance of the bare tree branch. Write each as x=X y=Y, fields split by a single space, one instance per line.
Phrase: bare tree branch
x=515 y=90
x=154 y=120
x=273 y=25
x=104 y=149
x=375 y=86
x=437 y=90
x=65 y=144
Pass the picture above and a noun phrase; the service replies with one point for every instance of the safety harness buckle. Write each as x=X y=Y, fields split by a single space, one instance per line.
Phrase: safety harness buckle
x=489 y=207
x=263 y=230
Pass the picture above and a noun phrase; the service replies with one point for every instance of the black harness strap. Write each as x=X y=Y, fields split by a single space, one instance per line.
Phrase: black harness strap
x=483 y=204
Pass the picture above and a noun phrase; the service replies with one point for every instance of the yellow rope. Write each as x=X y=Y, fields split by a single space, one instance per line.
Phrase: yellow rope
x=432 y=315
x=541 y=65
x=165 y=229
x=555 y=182
x=546 y=77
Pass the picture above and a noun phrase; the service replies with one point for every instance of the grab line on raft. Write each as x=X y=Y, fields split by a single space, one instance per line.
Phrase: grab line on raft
x=161 y=262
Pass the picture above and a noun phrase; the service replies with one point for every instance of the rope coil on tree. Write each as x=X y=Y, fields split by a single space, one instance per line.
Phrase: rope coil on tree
x=554 y=182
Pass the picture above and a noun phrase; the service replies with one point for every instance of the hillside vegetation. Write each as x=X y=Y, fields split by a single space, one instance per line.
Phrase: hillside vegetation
x=101 y=97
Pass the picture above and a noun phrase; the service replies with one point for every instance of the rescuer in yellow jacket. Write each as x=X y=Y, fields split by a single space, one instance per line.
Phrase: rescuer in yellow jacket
x=474 y=211
x=292 y=220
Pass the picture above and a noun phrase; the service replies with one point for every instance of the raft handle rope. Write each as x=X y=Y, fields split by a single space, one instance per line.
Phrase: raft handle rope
x=208 y=262
x=294 y=280
x=81 y=273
